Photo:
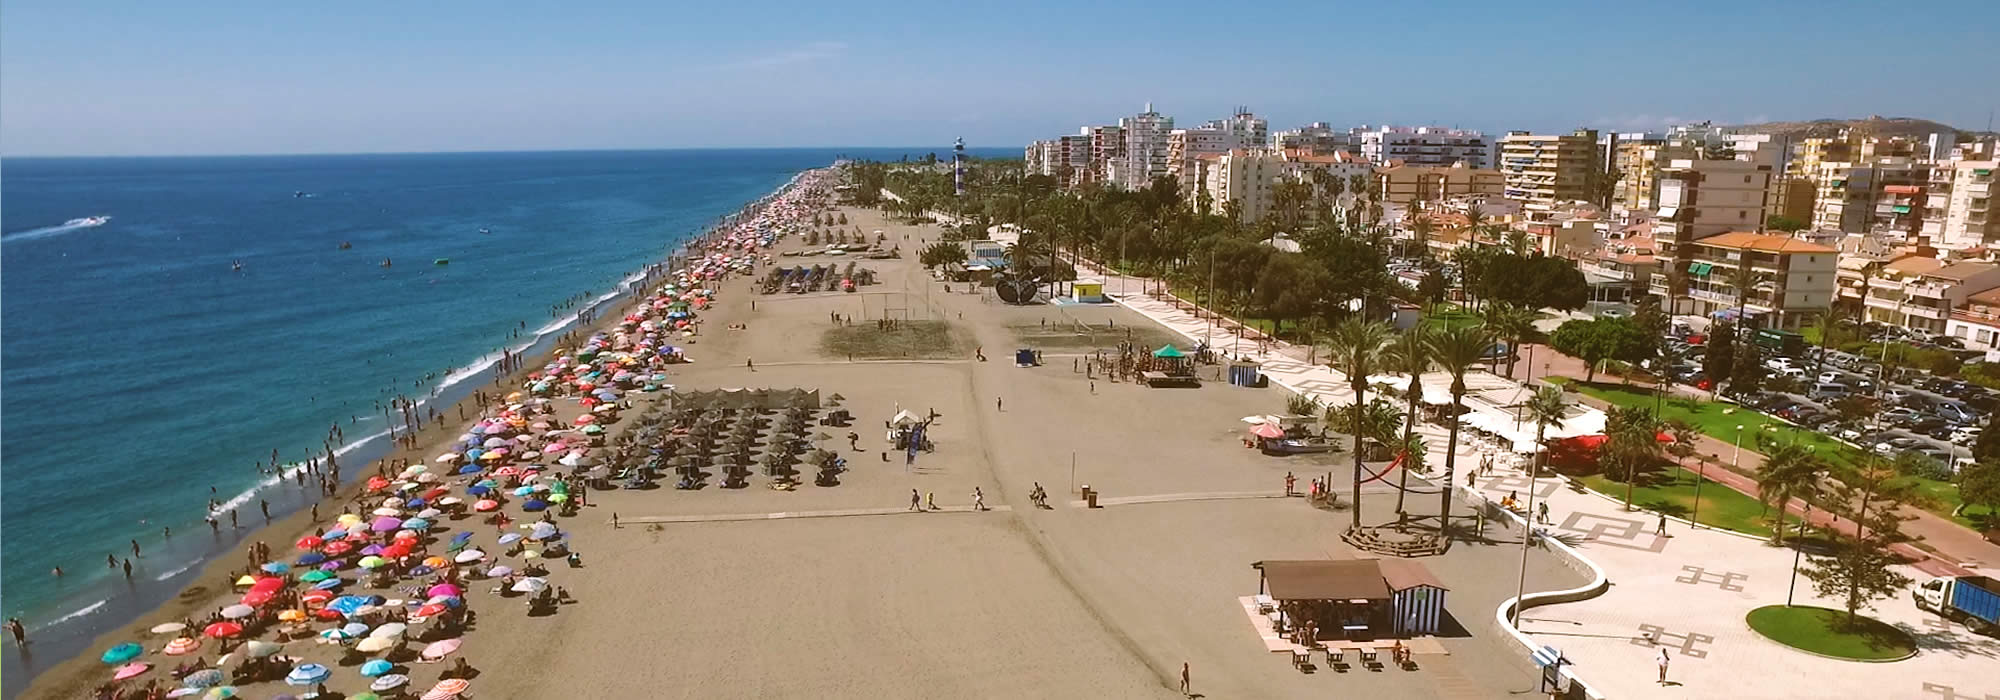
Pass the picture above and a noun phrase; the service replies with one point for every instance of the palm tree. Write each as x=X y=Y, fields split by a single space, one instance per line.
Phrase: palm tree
x=1410 y=354
x=1546 y=407
x=1357 y=350
x=1513 y=324
x=1456 y=350
x=1828 y=324
x=1790 y=472
x=1634 y=442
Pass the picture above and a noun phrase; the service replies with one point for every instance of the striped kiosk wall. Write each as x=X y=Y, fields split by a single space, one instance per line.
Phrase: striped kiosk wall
x=1418 y=610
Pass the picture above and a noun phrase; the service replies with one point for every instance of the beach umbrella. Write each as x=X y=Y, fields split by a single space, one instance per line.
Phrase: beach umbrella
x=428 y=513
x=222 y=630
x=310 y=558
x=346 y=604
x=449 y=601
x=385 y=524
x=429 y=609
x=531 y=554
x=469 y=556
x=391 y=630
x=446 y=458
x=450 y=501
x=309 y=542
x=238 y=611
x=258 y=648
x=246 y=580
x=336 y=634
x=129 y=670
x=337 y=548
x=510 y=538
x=372 y=549
x=461 y=538
x=443 y=589
x=439 y=650
x=315 y=576
x=531 y=584
x=417 y=524
x=203 y=678
x=535 y=506
x=375 y=667
x=276 y=567
x=365 y=696
x=257 y=598
x=293 y=615
x=372 y=562
x=446 y=689
x=329 y=584
x=167 y=628
x=389 y=682
x=308 y=674
x=542 y=531
x=387 y=511
x=485 y=504
x=183 y=692
x=469 y=469
x=375 y=644
x=435 y=562
x=421 y=570
x=122 y=653
x=315 y=596
x=222 y=692
x=500 y=570
x=376 y=483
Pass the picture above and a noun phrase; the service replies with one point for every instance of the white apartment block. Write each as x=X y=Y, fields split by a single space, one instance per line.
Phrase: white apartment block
x=1242 y=130
x=1145 y=153
x=1958 y=211
x=1883 y=194
x=1243 y=176
x=1317 y=137
x=1424 y=145
x=1920 y=293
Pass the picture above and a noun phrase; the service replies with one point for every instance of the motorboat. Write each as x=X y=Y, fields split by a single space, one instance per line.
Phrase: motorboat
x=88 y=221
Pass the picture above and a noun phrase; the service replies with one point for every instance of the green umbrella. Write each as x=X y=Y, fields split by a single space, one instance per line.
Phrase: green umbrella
x=316 y=576
x=123 y=653
x=1168 y=351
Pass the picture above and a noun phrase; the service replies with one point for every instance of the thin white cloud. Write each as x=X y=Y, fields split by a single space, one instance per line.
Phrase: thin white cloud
x=809 y=53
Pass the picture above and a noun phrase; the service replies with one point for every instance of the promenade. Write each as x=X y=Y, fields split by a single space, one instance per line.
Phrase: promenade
x=1687 y=591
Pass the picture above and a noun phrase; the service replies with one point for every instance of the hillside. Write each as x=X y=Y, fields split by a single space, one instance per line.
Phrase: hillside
x=1873 y=125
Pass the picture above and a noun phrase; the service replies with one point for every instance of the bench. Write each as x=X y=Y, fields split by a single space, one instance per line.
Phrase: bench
x=1336 y=659
x=1371 y=660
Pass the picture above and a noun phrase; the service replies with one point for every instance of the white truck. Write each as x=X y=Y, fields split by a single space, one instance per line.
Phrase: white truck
x=1974 y=600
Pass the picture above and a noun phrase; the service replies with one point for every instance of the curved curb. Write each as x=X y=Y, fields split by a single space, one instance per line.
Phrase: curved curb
x=1597 y=586
x=1914 y=649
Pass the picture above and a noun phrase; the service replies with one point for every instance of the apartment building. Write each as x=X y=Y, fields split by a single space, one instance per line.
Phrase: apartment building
x=1862 y=256
x=1703 y=198
x=1145 y=154
x=1243 y=176
x=1424 y=145
x=1107 y=147
x=1321 y=170
x=1318 y=138
x=1242 y=129
x=1919 y=293
x=1542 y=170
x=1638 y=157
x=1630 y=260
x=1402 y=184
x=1791 y=280
x=1959 y=201
x=1977 y=323
x=1885 y=194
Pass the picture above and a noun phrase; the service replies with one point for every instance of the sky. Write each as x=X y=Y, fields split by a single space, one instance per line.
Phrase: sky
x=88 y=77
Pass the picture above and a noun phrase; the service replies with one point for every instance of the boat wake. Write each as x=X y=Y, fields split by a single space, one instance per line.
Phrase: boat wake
x=70 y=226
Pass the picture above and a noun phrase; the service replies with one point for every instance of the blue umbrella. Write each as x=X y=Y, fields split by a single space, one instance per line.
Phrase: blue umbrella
x=308 y=674
x=332 y=535
x=375 y=667
x=123 y=653
x=421 y=571
x=354 y=629
x=347 y=604
x=417 y=524
x=468 y=469
x=473 y=454
x=461 y=538
x=414 y=503
x=276 y=567
x=329 y=584
x=478 y=490
x=510 y=538
x=532 y=506
x=311 y=558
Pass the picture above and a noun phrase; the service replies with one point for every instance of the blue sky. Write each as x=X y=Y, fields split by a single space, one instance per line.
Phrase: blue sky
x=137 y=78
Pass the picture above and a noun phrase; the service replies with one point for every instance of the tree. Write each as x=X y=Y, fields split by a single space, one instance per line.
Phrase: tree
x=1685 y=437
x=1436 y=285
x=1829 y=325
x=942 y=253
x=1780 y=222
x=1979 y=485
x=1357 y=351
x=1597 y=340
x=1720 y=358
x=1861 y=568
x=1790 y=473
x=1633 y=445
x=1747 y=375
x=1410 y=355
x=1456 y=351
x=1513 y=323
x=1987 y=447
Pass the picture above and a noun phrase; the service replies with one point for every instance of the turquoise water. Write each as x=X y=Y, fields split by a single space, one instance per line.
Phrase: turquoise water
x=141 y=371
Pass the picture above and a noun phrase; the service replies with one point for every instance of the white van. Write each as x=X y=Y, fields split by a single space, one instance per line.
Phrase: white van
x=1828 y=390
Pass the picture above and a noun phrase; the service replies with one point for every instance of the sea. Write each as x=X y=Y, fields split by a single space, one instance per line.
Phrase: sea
x=233 y=306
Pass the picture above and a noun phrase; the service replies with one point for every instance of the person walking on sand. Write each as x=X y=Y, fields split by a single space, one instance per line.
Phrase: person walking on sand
x=751 y=364
x=135 y=549
x=930 y=501
x=1662 y=659
x=999 y=404
x=128 y=568
x=1289 y=482
x=614 y=521
x=1542 y=513
x=1184 y=679
x=916 y=502
x=978 y=499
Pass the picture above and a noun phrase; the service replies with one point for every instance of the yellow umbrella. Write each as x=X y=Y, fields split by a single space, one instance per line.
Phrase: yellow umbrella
x=292 y=615
x=436 y=562
x=531 y=554
x=247 y=580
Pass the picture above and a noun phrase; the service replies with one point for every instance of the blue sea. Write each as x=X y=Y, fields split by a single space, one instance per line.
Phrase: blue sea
x=142 y=374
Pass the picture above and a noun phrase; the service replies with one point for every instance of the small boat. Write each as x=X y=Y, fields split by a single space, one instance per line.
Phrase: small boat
x=385 y=262
x=88 y=221
x=237 y=265
x=441 y=261
x=298 y=193
x=485 y=230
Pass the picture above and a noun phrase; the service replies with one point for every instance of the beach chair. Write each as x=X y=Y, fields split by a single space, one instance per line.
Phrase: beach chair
x=1370 y=659
x=1302 y=659
x=1336 y=659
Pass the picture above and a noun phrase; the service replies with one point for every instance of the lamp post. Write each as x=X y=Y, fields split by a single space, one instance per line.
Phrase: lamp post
x=1797 y=551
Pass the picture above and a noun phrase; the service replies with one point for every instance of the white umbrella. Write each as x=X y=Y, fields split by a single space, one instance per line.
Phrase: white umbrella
x=498 y=571
x=385 y=510
x=238 y=611
x=429 y=513
x=531 y=584
x=375 y=644
x=542 y=531
x=167 y=628
x=447 y=457
x=393 y=629
x=469 y=556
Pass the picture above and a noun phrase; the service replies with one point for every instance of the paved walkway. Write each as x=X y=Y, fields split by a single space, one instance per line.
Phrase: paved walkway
x=1688 y=591
x=788 y=515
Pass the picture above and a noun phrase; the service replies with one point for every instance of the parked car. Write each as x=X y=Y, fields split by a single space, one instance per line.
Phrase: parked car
x=1896 y=396
x=1956 y=412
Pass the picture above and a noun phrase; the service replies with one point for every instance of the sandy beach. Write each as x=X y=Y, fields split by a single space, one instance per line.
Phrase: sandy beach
x=841 y=591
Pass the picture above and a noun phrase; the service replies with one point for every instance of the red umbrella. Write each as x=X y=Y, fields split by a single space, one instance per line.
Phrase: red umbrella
x=337 y=547
x=396 y=551
x=434 y=494
x=327 y=614
x=485 y=505
x=316 y=596
x=310 y=542
x=1267 y=430
x=376 y=483
x=268 y=583
x=429 y=609
x=256 y=598
x=223 y=630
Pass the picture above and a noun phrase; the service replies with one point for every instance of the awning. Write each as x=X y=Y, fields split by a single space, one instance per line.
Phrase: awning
x=1169 y=351
x=1669 y=212
x=1350 y=579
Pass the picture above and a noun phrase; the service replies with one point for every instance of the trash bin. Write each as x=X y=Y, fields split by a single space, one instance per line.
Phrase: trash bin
x=1089 y=497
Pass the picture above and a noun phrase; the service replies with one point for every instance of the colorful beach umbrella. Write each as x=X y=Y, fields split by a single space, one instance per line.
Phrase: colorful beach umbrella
x=130 y=670
x=439 y=650
x=204 y=678
x=376 y=667
x=308 y=674
x=316 y=576
x=223 y=630
x=389 y=682
x=167 y=628
x=238 y=611
x=222 y=692
x=258 y=648
x=375 y=644
x=122 y=653
x=447 y=689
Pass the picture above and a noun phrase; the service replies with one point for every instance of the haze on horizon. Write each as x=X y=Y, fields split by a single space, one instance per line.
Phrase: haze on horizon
x=101 y=78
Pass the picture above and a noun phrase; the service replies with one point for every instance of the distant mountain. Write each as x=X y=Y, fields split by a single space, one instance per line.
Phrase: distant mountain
x=1873 y=126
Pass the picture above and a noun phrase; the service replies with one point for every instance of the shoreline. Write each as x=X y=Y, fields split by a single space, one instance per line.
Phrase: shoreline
x=79 y=670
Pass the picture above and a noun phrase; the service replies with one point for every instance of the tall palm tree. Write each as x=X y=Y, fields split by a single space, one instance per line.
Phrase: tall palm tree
x=1410 y=354
x=1828 y=324
x=1457 y=351
x=1357 y=347
x=1634 y=442
x=1512 y=323
x=1546 y=408
x=1789 y=472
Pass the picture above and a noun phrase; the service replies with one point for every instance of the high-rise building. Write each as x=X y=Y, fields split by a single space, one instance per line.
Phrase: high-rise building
x=1703 y=198
x=1245 y=177
x=1145 y=154
x=1885 y=194
x=1543 y=170
x=1637 y=157
x=1791 y=280
x=1107 y=148
x=1242 y=129
x=1318 y=138
x=1424 y=145
x=1959 y=212
x=1402 y=184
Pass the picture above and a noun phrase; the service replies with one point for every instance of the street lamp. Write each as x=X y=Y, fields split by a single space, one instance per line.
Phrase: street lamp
x=1797 y=551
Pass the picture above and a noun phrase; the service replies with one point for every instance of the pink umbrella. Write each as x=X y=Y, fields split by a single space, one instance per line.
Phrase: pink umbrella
x=130 y=670
x=443 y=589
x=439 y=650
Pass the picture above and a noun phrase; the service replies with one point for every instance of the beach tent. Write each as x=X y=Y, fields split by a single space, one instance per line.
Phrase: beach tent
x=1169 y=351
x=905 y=418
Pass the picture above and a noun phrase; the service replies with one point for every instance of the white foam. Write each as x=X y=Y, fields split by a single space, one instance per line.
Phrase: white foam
x=175 y=572
x=241 y=499
x=45 y=232
x=85 y=610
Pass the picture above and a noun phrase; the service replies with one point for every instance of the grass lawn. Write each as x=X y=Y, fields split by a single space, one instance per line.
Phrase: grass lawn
x=1819 y=630
x=1672 y=492
x=1455 y=318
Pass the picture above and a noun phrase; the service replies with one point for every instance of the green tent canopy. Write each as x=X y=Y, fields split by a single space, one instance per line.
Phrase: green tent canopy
x=1168 y=351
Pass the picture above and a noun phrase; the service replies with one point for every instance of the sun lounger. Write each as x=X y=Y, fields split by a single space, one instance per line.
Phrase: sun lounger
x=1371 y=660
x=1336 y=659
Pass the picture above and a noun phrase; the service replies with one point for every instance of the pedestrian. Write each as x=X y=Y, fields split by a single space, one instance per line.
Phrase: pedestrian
x=135 y=548
x=978 y=499
x=1469 y=477
x=232 y=518
x=930 y=501
x=1542 y=514
x=1479 y=523
x=1289 y=482
x=1663 y=660
x=999 y=404
x=916 y=502
x=265 y=506
x=751 y=364
x=614 y=520
x=214 y=526
x=167 y=532
x=1661 y=530
x=111 y=561
x=1184 y=679
x=1093 y=388
x=20 y=633
x=128 y=568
